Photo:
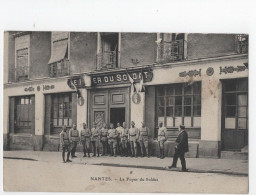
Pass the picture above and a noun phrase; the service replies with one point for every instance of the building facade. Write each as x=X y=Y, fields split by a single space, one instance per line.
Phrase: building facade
x=60 y=78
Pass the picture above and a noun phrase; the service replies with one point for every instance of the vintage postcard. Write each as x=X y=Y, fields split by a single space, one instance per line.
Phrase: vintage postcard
x=125 y=112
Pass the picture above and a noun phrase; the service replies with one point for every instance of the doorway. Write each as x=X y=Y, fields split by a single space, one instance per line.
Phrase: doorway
x=117 y=115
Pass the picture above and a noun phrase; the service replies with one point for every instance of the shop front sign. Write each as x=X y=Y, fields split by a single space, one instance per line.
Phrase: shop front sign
x=76 y=82
x=121 y=77
x=231 y=69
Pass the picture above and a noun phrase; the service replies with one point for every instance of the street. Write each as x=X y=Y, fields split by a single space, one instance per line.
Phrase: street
x=27 y=175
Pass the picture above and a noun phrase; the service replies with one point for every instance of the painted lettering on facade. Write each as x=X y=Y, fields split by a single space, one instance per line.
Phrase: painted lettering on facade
x=190 y=73
x=116 y=78
x=77 y=81
x=48 y=87
x=29 y=89
x=231 y=69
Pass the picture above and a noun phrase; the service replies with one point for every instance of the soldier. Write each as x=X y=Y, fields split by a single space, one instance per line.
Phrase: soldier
x=143 y=139
x=95 y=140
x=104 y=139
x=112 y=136
x=85 y=137
x=161 y=139
x=65 y=144
x=133 y=136
x=119 y=143
x=74 y=138
x=124 y=139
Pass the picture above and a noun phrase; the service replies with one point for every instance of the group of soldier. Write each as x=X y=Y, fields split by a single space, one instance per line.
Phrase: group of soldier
x=120 y=140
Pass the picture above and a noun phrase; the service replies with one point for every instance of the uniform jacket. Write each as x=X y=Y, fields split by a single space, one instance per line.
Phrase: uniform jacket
x=133 y=133
x=112 y=134
x=162 y=134
x=143 y=133
x=124 y=134
x=74 y=135
x=119 y=130
x=85 y=134
x=95 y=134
x=182 y=141
x=64 y=138
x=104 y=134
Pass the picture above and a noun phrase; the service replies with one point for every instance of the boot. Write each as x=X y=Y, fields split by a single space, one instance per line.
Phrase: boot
x=160 y=153
x=68 y=155
x=163 y=156
x=88 y=152
x=114 y=152
x=147 y=152
x=135 y=153
x=184 y=169
x=98 y=152
x=63 y=157
x=94 y=151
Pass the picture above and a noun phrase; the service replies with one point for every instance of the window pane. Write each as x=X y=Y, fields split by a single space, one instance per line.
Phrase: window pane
x=178 y=110
x=187 y=110
x=197 y=88
x=170 y=90
x=178 y=100
x=160 y=119
x=230 y=111
x=178 y=90
x=241 y=123
x=60 y=113
x=66 y=113
x=60 y=122
x=160 y=111
x=230 y=123
x=187 y=100
x=169 y=101
x=55 y=122
x=178 y=121
x=66 y=122
x=169 y=111
x=242 y=85
x=242 y=100
x=70 y=113
x=197 y=110
x=242 y=111
x=169 y=122
x=160 y=91
x=230 y=85
x=197 y=121
x=187 y=121
x=230 y=99
x=160 y=101
x=70 y=122
x=197 y=100
x=187 y=90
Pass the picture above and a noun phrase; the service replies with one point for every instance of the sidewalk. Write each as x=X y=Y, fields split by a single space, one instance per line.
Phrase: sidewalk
x=197 y=165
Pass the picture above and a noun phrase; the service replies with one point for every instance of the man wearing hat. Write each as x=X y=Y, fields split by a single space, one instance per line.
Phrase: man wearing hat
x=104 y=139
x=95 y=140
x=162 y=137
x=181 y=147
x=119 y=129
x=112 y=135
x=74 y=138
x=124 y=139
x=133 y=136
x=143 y=139
x=65 y=144
x=85 y=137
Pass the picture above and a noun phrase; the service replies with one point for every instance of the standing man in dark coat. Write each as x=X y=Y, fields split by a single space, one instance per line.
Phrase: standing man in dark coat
x=181 y=147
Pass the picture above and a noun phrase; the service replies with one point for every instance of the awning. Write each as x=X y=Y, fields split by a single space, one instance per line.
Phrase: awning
x=59 y=50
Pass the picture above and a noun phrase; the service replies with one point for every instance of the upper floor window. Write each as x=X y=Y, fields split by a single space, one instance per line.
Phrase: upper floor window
x=59 y=62
x=242 y=43
x=170 y=47
x=108 y=50
x=22 y=63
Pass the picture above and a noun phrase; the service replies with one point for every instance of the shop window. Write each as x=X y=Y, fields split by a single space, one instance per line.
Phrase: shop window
x=179 y=104
x=23 y=114
x=22 y=44
x=59 y=64
x=108 y=51
x=170 y=47
x=235 y=104
x=62 y=110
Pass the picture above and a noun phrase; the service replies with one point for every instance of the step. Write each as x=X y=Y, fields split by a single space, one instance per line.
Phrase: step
x=234 y=155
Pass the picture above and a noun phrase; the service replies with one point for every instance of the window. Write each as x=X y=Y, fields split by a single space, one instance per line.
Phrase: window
x=59 y=62
x=62 y=109
x=170 y=47
x=235 y=104
x=22 y=57
x=179 y=104
x=242 y=43
x=108 y=50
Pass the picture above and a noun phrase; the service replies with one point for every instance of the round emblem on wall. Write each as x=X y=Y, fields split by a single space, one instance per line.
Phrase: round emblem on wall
x=38 y=88
x=80 y=101
x=210 y=71
x=136 y=98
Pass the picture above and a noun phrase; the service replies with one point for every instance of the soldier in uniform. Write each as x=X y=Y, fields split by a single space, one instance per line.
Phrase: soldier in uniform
x=95 y=139
x=112 y=136
x=143 y=139
x=85 y=137
x=119 y=143
x=74 y=138
x=104 y=139
x=133 y=136
x=65 y=144
x=181 y=147
x=161 y=139
x=124 y=139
